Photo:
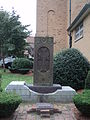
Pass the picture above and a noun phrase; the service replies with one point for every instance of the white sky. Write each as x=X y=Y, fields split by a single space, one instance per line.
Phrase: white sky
x=26 y=9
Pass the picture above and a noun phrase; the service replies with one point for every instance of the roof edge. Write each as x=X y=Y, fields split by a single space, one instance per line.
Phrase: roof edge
x=82 y=14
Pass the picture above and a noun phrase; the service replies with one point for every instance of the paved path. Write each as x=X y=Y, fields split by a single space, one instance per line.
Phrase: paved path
x=21 y=113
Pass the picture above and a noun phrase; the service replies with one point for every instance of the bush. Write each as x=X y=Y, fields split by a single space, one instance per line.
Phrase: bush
x=8 y=103
x=82 y=102
x=21 y=63
x=22 y=71
x=1 y=89
x=70 y=68
x=87 y=81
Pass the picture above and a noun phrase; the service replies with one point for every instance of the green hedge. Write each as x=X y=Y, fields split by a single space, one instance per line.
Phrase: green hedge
x=21 y=63
x=82 y=102
x=87 y=81
x=70 y=68
x=8 y=103
x=22 y=71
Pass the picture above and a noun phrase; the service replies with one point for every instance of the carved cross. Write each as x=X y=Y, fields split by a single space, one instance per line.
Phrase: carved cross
x=43 y=59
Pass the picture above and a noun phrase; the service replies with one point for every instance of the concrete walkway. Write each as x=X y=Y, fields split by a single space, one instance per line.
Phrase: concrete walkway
x=21 y=113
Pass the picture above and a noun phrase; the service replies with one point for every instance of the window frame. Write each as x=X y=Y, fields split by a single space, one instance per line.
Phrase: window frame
x=79 y=32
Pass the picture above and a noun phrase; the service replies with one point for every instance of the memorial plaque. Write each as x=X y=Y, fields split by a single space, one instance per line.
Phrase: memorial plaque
x=43 y=61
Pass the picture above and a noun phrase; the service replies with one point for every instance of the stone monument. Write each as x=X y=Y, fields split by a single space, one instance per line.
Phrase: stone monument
x=42 y=89
x=43 y=66
x=43 y=61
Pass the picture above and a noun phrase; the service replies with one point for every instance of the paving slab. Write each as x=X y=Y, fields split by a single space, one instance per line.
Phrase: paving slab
x=22 y=114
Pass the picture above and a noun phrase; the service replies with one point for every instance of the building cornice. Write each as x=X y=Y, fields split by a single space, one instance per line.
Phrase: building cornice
x=80 y=17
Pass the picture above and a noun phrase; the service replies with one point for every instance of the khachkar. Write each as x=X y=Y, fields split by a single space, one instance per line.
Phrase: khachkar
x=43 y=61
x=43 y=89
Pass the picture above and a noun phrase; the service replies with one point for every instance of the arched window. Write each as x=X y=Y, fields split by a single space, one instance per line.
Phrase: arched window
x=50 y=22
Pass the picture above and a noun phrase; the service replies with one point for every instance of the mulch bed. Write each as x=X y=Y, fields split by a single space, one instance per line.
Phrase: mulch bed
x=30 y=73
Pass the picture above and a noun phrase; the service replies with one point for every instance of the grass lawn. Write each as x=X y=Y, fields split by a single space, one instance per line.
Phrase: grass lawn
x=7 y=77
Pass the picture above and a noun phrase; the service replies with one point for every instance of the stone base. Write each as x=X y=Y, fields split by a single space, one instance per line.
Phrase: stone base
x=63 y=95
x=44 y=89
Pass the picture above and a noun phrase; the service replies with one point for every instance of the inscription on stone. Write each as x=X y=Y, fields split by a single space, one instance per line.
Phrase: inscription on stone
x=43 y=61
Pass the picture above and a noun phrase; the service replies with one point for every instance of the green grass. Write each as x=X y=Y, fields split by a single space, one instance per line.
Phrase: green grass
x=7 y=77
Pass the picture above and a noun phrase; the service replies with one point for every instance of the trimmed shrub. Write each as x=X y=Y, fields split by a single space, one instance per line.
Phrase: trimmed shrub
x=21 y=65
x=82 y=102
x=8 y=103
x=87 y=81
x=70 y=68
x=22 y=71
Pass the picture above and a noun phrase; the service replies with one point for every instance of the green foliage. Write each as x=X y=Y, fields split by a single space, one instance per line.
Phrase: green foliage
x=12 y=34
x=87 y=81
x=82 y=102
x=1 y=89
x=70 y=68
x=0 y=80
x=22 y=63
x=0 y=83
x=8 y=103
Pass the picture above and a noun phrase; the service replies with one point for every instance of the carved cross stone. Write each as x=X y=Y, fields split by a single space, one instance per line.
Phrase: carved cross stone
x=43 y=61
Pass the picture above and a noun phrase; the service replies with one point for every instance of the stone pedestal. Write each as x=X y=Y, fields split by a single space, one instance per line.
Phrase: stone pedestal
x=64 y=95
x=44 y=89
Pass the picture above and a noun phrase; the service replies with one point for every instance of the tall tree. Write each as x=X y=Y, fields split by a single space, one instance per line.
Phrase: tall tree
x=12 y=34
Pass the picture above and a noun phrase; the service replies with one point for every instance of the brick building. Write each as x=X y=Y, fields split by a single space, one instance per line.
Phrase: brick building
x=53 y=19
x=80 y=31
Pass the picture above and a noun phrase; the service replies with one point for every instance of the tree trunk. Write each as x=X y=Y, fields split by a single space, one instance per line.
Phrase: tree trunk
x=4 y=64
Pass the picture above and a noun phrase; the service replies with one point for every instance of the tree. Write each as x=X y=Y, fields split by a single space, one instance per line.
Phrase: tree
x=12 y=34
x=18 y=35
x=3 y=33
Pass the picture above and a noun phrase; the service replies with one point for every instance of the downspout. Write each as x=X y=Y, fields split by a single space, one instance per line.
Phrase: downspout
x=70 y=37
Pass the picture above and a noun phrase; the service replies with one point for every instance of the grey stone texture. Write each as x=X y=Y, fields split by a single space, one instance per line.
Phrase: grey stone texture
x=43 y=61
x=64 y=95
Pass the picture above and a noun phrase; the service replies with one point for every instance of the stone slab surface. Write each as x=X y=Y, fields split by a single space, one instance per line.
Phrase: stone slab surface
x=64 y=95
x=40 y=106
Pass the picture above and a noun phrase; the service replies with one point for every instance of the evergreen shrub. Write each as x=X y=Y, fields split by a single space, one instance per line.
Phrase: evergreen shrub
x=8 y=103
x=87 y=81
x=70 y=68
x=82 y=102
x=21 y=65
